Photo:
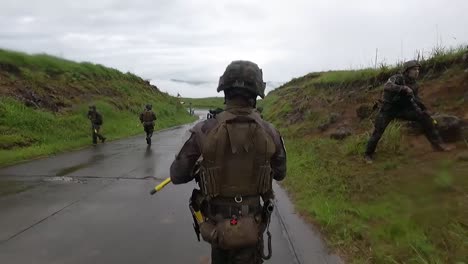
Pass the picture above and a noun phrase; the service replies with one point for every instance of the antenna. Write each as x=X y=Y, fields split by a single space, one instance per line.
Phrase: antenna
x=376 y=56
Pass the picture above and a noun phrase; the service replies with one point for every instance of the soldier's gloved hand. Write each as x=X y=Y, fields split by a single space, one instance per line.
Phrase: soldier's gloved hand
x=408 y=91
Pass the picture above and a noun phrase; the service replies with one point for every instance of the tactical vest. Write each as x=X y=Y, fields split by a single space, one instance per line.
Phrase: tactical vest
x=96 y=118
x=236 y=157
x=148 y=116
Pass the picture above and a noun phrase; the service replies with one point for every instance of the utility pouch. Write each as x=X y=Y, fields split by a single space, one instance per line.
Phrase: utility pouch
x=238 y=233
x=232 y=233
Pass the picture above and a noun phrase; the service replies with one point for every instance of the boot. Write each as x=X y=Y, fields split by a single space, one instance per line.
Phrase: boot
x=368 y=159
x=441 y=148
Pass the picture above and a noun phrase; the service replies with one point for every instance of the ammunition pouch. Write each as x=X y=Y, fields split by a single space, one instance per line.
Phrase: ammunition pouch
x=208 y=182
x=232 y=233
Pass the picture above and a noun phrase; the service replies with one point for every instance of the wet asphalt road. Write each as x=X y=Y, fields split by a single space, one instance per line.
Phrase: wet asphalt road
x=93 y=206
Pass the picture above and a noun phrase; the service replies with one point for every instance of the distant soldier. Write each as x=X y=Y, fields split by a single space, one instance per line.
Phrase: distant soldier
x=401 y=100
x=96 y=122
x=147 y=118
x=191 y=109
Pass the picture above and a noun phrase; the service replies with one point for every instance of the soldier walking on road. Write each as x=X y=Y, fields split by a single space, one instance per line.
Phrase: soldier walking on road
x=240 y=155
x=401 y=100
x=96 y=122
x=147 y=118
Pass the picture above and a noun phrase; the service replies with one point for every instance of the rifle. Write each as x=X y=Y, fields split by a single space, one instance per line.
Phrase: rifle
x=419 y=110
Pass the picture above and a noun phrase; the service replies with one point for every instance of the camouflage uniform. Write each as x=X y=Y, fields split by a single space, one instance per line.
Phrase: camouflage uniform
x=147 y=118
x=234 y=165
x=399 y=105
x=96 y=123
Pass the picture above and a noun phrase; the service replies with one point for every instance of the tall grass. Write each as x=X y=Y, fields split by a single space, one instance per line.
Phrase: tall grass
x=438 y=59
x=367 y=213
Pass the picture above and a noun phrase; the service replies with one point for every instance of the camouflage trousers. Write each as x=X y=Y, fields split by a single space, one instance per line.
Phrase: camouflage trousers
x=149 y=129
x=386 y=116
x=96 y=134
x=249 y=255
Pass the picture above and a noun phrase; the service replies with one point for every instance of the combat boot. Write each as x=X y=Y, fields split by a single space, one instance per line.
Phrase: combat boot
x=368 y=159
x=441 y=148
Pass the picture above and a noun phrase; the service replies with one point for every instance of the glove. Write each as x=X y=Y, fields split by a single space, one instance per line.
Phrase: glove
x=408 y=90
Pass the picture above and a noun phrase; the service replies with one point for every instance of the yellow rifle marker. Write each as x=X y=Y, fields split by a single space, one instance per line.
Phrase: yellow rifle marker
x=160 y=186
x=197 y=214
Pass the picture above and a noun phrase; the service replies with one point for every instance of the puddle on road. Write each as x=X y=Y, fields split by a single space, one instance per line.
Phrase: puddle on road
x=68 y=170
x=72 y=169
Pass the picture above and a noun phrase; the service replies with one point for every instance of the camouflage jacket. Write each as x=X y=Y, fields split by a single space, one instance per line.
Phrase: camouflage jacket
x=181 y=168
x=393 y=90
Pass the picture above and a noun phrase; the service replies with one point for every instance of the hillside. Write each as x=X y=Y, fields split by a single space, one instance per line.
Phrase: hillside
x=407 y=207
x=45 y=99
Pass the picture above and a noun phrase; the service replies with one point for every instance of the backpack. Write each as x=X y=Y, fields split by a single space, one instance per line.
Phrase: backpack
x=236 y=157
x=148 y=116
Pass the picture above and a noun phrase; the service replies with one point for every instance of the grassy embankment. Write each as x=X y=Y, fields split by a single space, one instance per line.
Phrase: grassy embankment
x=410 y=206
x=44 y=102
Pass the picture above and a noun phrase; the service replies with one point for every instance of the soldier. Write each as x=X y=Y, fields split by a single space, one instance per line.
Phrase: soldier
x=401 y=100
x=240 y=155
x=96 y=122
x=191 y=111
x=147 y=118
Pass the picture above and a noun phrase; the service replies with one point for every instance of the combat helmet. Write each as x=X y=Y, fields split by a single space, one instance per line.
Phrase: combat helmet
x=148 y=106
x=410 y=64
x=243 y=76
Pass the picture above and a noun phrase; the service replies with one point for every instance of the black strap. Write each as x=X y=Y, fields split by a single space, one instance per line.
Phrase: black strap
x=270 y=251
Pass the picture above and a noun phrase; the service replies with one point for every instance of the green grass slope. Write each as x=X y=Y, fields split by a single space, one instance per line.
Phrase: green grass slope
x=44 y=102
x=410 y=206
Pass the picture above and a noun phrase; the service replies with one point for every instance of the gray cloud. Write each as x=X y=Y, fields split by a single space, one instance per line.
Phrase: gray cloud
x=195 y=40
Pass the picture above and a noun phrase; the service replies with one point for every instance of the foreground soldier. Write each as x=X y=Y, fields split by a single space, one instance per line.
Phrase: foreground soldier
x=96 y=122
x=147 y=118
x=401 y=101
x=240 y=156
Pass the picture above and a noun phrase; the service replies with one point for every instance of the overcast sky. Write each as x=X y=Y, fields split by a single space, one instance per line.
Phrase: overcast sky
x=171 y=41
